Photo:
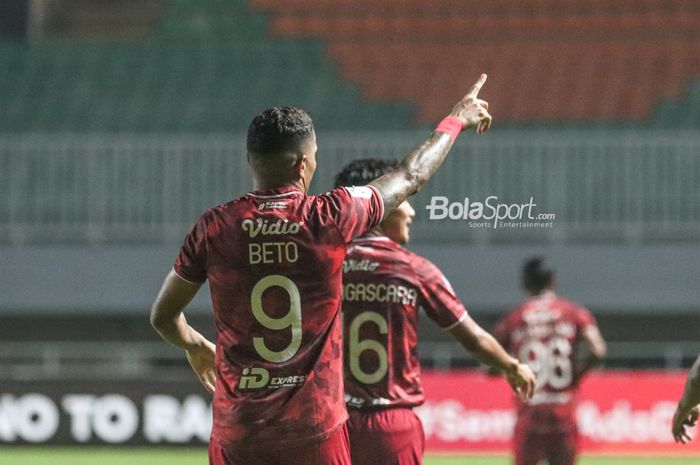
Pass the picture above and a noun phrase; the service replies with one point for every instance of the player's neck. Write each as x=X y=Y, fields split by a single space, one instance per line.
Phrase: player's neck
x=272 y=184
x=376 y=232
x=543 y=293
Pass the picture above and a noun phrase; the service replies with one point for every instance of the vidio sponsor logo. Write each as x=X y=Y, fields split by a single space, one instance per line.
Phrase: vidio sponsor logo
x=257 y=378
x=491 y=211
x=359 y=265
x=267 y=228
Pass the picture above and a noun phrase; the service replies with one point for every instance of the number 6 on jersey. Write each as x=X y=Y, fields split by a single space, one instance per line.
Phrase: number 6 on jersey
x=357 y=347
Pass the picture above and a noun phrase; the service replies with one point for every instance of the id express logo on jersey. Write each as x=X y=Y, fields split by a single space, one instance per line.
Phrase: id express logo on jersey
x=258 y=378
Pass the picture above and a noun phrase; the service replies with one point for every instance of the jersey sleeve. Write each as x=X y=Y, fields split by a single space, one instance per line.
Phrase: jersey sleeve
x=354 y=210
x=584 y=318
x=438 y=298
x=191 y=262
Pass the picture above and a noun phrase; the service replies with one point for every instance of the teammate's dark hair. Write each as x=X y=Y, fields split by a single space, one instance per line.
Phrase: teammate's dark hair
x=537 y=275
x=361 y=172
x=278 y=130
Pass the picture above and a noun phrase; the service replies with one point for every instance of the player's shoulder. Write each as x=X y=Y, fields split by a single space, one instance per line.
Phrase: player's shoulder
x=380 y=246
x=210 y=215
x=516 y=314
x=347 y=192
x=510 y=320
x=572 y=310
x=238 y=207
x=415 y=264
x=333 y=197
x=569 y=305
x=428 y=273
x=216 y=213
x=421 y=264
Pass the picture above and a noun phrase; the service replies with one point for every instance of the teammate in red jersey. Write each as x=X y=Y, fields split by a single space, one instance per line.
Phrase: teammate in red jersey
x=545 y=332
x=273 y=259
x=384 y=285
x=688 y=408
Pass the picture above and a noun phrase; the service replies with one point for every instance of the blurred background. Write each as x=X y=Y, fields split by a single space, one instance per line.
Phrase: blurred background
x=121 y=121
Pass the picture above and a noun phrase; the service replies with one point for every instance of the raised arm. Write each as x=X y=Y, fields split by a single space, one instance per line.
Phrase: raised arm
x=485 y=348
x=422 y=162
x=168 y=319
x=688 y=410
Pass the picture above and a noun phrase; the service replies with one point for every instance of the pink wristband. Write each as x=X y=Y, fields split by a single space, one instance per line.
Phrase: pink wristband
x=450 y=125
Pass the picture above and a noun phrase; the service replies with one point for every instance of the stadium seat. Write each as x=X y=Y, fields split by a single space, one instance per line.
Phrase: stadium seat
x=213 y=63
x=555 y=49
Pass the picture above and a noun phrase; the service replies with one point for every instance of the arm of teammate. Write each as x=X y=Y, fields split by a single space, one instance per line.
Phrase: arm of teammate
x=485 y=348
x=422 y=162
x=597 y=350
x=502 y=335
x=168 y=319
x=688 y=409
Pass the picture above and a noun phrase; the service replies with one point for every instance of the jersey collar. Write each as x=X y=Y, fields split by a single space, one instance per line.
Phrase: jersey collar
x=373 y=238
x=277 y=192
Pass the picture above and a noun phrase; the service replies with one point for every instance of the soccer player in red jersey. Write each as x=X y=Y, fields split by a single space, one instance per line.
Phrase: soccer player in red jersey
x=273 y=259
x=384 y=286
x=688 y=408
x=545 y=332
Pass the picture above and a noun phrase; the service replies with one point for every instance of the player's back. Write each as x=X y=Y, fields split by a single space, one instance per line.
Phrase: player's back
x=273 y=260
x=543 y=332
x=384 y=285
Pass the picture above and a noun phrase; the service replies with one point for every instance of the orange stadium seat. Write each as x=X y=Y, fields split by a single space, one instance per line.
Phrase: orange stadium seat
x=594 y=60
x=400 y=27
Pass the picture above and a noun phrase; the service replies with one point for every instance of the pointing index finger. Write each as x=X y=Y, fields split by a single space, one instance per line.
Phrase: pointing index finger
x=474 y=91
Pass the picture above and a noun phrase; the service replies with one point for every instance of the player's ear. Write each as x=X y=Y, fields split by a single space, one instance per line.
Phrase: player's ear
x=300 y=165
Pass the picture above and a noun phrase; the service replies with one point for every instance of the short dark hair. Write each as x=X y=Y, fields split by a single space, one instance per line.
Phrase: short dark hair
x=537 y=275
x=278 y=130
x=361 y=172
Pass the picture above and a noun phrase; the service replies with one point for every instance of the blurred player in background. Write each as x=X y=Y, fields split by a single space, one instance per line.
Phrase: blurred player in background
x=384 y=285
x=546 y=332
x=688 y=407
x=273 y=259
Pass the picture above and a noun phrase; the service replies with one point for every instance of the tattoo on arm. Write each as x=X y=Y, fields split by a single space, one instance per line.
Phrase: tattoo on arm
x=413 y=171
x=422 y=162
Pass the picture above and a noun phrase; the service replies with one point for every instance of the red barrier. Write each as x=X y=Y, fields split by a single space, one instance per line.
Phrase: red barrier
x=618 y=413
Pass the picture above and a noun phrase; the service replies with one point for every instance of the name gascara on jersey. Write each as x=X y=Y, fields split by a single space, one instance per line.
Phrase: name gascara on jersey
x=379 y=292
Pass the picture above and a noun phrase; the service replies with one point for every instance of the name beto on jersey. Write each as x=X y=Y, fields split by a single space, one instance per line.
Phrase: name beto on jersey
x=271 y=252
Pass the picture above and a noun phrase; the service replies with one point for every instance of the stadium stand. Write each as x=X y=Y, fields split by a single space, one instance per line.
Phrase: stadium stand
x=206 y=66
x=104 y=20
x=424 y=49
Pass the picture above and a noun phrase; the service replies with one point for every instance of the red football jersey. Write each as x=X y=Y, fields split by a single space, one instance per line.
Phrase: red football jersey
x=274 y=264
x=543 y=332
x=384 y=285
